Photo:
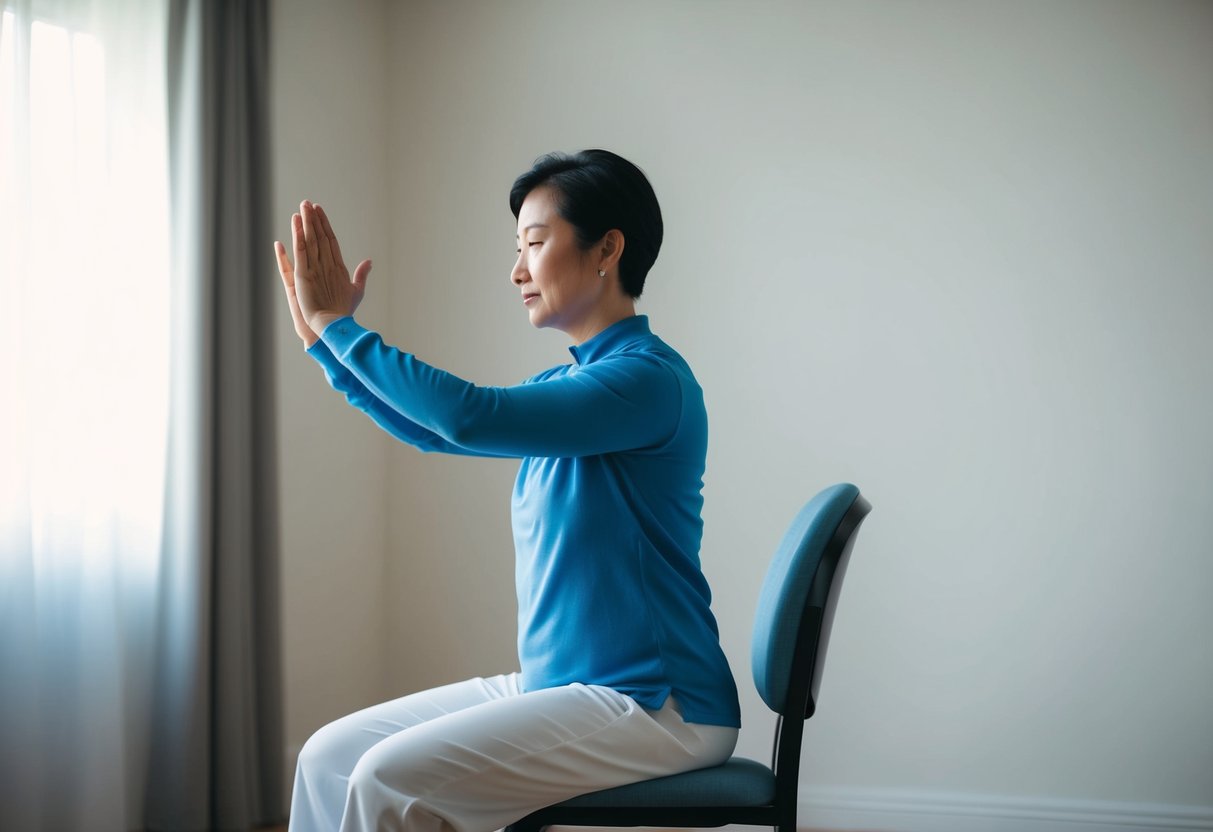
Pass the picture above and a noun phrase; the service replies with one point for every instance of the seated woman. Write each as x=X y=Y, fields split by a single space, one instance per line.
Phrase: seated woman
x=622 y=675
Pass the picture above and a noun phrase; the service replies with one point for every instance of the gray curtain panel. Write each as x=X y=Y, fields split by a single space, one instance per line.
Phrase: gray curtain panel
x=217 y=746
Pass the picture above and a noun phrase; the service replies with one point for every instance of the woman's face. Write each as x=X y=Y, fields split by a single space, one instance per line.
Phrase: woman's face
x=559 y=282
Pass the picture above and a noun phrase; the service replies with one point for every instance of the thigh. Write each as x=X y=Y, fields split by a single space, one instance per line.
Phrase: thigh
x=338 y=746
x=488 y=765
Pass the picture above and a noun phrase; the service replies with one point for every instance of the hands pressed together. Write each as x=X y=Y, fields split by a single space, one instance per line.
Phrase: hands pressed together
x=318 y=287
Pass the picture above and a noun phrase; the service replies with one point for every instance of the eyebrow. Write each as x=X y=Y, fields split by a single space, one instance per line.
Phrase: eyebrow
x=533 y=225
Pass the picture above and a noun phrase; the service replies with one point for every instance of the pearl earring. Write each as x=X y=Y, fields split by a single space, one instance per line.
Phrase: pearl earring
x=601 y=273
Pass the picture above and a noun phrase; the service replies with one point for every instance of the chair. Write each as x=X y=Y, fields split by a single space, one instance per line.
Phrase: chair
x=791 y=634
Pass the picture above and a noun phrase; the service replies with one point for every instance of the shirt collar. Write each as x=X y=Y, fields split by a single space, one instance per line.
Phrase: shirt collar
x=611 y=339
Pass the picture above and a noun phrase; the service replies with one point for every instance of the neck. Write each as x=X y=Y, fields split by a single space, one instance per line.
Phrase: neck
x=603 y=317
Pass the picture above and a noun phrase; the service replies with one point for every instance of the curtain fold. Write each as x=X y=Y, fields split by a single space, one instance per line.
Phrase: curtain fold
x=139 y=646
x=84 y=409
x=217 y=743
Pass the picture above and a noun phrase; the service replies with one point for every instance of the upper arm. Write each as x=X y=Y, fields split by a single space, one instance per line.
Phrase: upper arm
x=621 y=403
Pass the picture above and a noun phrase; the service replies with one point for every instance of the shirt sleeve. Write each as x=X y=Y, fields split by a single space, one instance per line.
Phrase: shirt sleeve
x=356 y=393
x=622 y=402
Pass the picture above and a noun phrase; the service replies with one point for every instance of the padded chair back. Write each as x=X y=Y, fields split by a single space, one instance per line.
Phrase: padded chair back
x=796 y=606
x=791 y=633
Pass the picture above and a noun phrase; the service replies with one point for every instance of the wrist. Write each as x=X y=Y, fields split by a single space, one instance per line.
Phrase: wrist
x=318 y=322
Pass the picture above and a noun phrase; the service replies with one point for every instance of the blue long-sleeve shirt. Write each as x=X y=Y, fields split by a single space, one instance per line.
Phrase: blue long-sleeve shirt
x=606 y=506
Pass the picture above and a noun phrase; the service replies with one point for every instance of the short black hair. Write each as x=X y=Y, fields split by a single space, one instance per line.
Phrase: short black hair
x=597 y=190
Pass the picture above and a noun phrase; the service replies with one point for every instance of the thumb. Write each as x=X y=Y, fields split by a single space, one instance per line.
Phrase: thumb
x=361 y=273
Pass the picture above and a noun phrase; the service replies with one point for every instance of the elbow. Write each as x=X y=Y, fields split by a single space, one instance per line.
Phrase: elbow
x=471 y=422
x=461 y=432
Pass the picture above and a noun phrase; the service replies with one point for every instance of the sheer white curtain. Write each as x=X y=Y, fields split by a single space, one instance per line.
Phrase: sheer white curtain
x=84 y=300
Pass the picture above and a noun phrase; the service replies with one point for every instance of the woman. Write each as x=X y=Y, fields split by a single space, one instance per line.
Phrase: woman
x=622 y=676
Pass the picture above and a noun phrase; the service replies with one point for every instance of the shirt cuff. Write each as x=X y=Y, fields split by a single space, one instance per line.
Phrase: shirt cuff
x=324 y=356
x=341 y=334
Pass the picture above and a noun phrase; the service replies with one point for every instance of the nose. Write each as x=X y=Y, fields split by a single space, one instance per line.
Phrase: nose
x=519 y=274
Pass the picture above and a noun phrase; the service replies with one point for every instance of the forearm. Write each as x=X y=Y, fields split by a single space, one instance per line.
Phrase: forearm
x=387 y=418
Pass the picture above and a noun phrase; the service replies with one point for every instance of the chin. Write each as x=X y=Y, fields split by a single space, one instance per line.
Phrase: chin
x=538 y=319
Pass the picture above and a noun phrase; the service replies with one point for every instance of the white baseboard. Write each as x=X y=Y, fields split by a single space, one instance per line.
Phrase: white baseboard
x=889 y=810
x=903 y=810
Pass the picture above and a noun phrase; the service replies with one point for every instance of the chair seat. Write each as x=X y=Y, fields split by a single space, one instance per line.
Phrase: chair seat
x=738 y=782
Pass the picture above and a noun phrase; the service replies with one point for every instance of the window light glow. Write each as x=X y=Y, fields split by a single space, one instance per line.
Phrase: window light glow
x=84 y=305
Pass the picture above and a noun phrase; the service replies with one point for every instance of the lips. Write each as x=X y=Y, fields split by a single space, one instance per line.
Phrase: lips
x=527 y=298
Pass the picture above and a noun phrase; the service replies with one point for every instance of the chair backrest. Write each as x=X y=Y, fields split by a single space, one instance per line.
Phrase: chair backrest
x=791 y=632
x=796 y=607
x=793 y=623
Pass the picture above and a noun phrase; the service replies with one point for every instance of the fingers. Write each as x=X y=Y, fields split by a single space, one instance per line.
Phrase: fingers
x=317 y=237
x=360 y=275
x=288 y=279
x=292 y=301
x=284 y=266
x=299 y=243
x=321 y=285
x=308 y=224
x=332 y=238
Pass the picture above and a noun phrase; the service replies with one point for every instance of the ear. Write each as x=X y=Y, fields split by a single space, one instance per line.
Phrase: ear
x=609 y=250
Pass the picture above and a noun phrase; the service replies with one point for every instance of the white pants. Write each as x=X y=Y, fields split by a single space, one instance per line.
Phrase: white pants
x=478 y=755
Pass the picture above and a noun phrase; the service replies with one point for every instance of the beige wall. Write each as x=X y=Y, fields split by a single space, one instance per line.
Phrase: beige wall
x=329 y=67
x=955 y=253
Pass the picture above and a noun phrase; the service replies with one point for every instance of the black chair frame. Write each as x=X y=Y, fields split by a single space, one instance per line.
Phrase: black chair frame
x=808 y=661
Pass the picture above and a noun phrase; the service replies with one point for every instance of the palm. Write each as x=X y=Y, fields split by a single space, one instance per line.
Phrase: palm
x=317 y=285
